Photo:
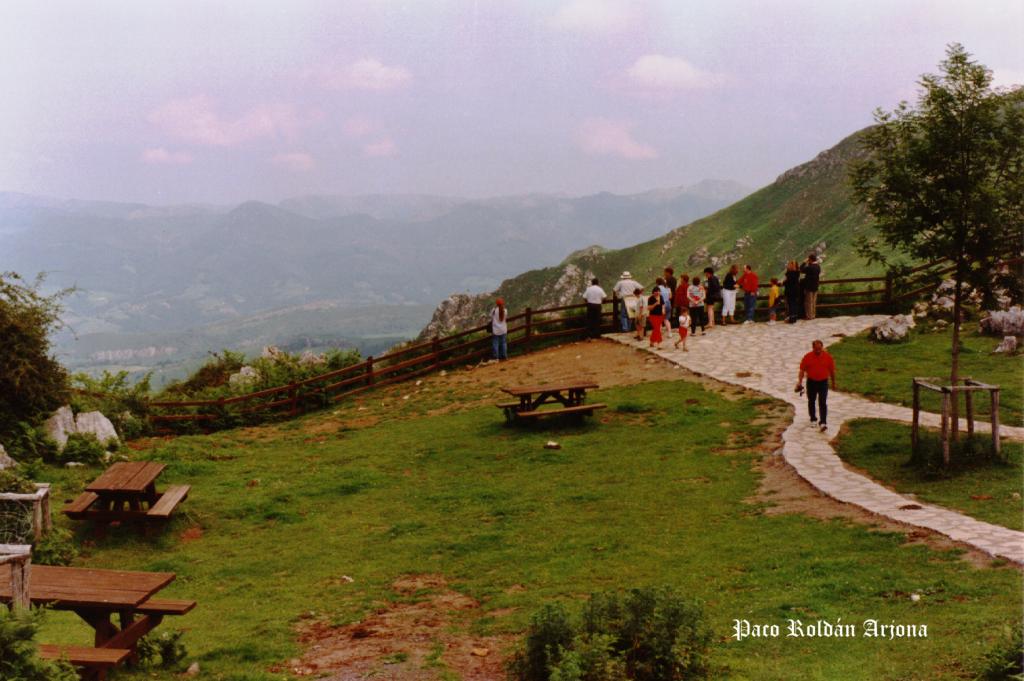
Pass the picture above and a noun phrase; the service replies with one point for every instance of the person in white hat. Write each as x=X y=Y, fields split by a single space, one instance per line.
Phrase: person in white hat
x=623 y=290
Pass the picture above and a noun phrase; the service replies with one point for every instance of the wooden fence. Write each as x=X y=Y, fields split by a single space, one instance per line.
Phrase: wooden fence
x=527 y=330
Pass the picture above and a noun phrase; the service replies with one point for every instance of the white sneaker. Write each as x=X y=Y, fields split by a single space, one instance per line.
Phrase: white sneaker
x=747 y=321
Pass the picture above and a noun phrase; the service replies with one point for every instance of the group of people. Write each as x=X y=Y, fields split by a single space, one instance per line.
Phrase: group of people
x=689 y=304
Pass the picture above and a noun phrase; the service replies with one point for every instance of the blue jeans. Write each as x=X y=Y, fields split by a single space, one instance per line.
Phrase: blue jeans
x=749 y=303
x=500 y=346
x=623 y=316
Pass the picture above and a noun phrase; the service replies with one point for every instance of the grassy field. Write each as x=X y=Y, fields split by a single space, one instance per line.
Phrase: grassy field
x=883 y=372
x=657 y=493
x=982 y=492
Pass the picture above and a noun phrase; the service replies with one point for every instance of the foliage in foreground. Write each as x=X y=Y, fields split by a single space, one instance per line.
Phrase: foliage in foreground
x=125 y=404
x=32 y=381
x=649 y=634
x=164 y=649
x=1005 y=660
x=18 y=658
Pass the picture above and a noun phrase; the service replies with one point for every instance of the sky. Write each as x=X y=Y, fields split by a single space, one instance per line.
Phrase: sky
x=220 y=101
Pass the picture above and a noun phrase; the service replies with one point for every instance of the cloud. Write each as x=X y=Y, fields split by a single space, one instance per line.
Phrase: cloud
x=195 y=120
x=1007 y=77
x=595 y=16
x=606 y=137
x=159 y=155
x=358 y=126
x=659 y=72
x=365 y=74
x=383 y=148
x=295 y=161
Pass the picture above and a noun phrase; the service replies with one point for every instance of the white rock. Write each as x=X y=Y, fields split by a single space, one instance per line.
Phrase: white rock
x=60 y=424
x=73 y=464
x=193 y=669
x=6 y=461
x=245 y=376
x=1009 y=345
x=893 y=329
x=99 y=425
x=915 y=597
x=1004 y=322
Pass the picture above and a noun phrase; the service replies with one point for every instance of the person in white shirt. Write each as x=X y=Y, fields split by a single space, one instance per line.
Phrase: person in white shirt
x=499 y=330
x=623 y=290
x=594 y=295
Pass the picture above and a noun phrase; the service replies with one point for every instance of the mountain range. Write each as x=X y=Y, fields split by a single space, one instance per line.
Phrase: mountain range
x=156 y=282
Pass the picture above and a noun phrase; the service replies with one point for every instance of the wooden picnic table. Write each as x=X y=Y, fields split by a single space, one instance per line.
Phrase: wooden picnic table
x=96 y=596
x=127 y=491
x=571 y=394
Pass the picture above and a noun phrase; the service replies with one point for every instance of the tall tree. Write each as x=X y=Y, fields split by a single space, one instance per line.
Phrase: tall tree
x=945 y=178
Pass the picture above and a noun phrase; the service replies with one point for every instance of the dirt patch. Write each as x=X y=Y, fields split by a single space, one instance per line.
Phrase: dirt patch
x=193 y=533
x=418 y=637
x=783 y=491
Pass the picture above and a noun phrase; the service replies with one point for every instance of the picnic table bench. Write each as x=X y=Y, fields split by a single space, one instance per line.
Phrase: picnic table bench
x=127 y=491
x=96 y=596
x=572 y=395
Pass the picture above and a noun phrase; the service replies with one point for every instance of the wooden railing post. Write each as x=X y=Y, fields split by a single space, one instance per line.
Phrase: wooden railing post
x=616 y=301
x=528 y=331
x=945 y=427
x=994 y=420
x=969 y=406
x=369 y=370
x=293 y=395
x=19 y=557
x=888 y=291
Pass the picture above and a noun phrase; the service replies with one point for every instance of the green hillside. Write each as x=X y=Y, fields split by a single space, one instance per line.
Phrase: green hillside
x=807 y=208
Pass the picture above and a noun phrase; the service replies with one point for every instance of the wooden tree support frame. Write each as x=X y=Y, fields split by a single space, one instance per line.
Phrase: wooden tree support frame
x=40 y=500
x=19 y=557
x=949 y=426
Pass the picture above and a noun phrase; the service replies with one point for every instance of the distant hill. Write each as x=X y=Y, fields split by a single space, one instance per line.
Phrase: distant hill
x=806 y=208
x=150 y=271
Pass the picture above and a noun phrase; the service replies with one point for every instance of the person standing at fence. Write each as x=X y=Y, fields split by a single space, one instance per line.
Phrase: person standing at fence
x=729 y=295
x=640 y=312
x=623 y=290
x=714 y=290
x=499 y=330
x=791 y=285
x=820 y=369
x=679 y=299
x=666 y=299
x=671 y=283
x=594 y=295
x=695 y=297
x=656 y=313
x=773 y=299
x=748 y=282
x=812 y=276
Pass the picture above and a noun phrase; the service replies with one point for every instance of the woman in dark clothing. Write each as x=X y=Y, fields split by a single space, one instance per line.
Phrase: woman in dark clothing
x=656 y=313
x=792 y=288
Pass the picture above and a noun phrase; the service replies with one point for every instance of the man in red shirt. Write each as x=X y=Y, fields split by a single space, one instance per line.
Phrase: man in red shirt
x=820 y=369
x=748 y=282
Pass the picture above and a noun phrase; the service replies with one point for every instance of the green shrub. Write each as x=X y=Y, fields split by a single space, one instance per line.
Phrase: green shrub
x=32 y=381
x=28 y=443
x=14 y=482
x=649 y=634
x=164 y=650
x=126 y=405
x=18 y=658
x=1005 y=661
x=84 y=448
x=55 y=548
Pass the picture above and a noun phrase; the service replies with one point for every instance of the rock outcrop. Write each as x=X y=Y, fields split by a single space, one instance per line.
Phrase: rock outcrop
x=458 y=311
x=1004 y=322
x=6 y=461
x=1008 y=346
x=60 y=424
x=97 y=424
x=892 y=330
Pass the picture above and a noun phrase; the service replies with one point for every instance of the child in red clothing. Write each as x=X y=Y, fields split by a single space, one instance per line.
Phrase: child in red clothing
x=684 y=328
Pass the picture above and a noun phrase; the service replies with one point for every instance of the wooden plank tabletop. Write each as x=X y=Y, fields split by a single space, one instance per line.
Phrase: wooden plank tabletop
x=67 y=587
x=127 y=476
x=581 y=384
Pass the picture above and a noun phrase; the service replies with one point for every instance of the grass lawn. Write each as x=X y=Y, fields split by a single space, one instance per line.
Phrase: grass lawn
x=883 y=372
x=986 y=492
x=655 y=494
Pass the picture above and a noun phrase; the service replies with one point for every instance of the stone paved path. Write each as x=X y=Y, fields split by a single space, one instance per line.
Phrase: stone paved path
x=739 y=354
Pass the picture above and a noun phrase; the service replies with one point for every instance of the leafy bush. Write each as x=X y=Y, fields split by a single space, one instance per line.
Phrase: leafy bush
x=55 y=548
x=83 y=448
x=126 y=405
x=1005 y=661
x=166 y=647
x=649 y=634
x=26 y=442
x=14 y=482
x=32 y=381
x=18 y=658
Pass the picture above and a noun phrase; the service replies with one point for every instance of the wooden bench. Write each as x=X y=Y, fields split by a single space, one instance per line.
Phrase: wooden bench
x=581 y=409
x=95 y=660
x=79 y=507
x=168 y=501
x=163 y=606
